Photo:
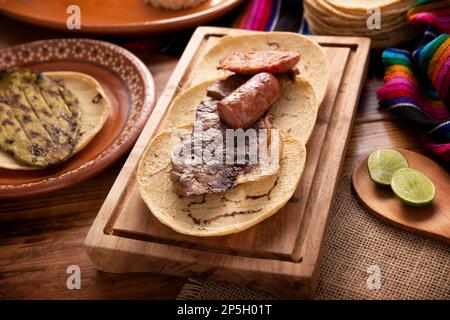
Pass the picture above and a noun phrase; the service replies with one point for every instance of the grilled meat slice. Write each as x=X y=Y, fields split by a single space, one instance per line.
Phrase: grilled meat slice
x=221 y=88
x=198 y=174
x=199 y=177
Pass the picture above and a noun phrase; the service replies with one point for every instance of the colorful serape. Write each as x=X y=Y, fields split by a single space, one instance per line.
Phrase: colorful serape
x=272 y=15
x=416 y=84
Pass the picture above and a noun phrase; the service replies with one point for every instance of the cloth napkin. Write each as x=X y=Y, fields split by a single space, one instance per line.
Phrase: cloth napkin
x=416 y=82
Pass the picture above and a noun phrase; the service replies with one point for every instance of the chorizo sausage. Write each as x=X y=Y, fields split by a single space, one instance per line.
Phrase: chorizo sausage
x=275 y=62
x=249 y=102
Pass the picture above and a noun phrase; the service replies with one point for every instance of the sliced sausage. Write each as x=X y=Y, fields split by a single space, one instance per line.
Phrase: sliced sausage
x=249 y=102
x=260 y=61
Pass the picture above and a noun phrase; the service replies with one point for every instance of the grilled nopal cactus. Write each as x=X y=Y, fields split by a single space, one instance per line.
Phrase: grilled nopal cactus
x=37 y=126
x=72 y=103
x=63 y=104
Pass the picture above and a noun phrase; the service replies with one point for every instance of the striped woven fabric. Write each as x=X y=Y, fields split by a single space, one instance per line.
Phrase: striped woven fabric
x=272 y=15
x=416 y=84
x=434 y=14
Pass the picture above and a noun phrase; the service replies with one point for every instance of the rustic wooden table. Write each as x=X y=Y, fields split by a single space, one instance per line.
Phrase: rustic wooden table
x=40 y=237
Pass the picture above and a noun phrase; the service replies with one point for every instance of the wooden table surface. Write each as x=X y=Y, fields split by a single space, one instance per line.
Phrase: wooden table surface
x=40 y=237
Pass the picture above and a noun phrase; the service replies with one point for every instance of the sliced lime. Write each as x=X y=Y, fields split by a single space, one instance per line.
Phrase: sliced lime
x=412 y=187
x=384 y=163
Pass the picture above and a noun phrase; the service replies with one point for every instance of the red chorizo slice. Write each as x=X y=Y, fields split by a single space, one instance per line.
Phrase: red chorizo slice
x=260 y=61
x=249 y=102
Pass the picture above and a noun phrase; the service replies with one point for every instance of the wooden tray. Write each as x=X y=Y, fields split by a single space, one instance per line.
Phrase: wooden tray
x=280 y=255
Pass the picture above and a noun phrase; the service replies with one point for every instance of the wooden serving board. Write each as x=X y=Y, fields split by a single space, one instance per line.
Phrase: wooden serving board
x=280 y=255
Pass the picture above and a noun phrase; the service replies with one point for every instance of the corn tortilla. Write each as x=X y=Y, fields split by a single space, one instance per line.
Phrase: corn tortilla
x=219 y=213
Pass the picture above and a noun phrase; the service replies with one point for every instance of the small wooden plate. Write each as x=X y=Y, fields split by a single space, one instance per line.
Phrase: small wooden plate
x=125 y=17
x=432 y=220
x=128 y=85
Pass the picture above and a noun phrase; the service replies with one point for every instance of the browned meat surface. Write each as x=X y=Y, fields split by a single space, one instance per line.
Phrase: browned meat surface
x=206 y=177
x=221 y=88
x=201 y=178
x=260 y=61
x=247 y=103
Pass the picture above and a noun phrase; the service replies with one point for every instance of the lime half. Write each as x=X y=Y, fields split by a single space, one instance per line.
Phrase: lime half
x=412 y=187
x=384 y=163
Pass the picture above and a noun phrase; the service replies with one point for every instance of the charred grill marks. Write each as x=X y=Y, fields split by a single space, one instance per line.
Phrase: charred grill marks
x=54 y=96
x=202 y=178
x=97 y=98
x=263 y=195
x=197 y=202
x=32 y=129
x=206 y=176
x=202 y=222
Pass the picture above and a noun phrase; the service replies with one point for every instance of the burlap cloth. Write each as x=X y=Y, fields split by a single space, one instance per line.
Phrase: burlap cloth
x=412 y=266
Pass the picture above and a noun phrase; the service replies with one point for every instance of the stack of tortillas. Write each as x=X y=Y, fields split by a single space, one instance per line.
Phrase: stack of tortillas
x=384 y=21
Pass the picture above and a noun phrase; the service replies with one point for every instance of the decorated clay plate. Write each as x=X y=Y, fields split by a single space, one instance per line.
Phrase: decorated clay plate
x=128 y=85
x=115 y=16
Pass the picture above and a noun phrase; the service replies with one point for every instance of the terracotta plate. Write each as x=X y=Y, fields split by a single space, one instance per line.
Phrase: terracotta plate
x=127 y=83
x=115 y=16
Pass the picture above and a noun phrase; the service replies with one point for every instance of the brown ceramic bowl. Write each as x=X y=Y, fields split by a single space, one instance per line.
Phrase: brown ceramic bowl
x=115 y=16
x=128 y=85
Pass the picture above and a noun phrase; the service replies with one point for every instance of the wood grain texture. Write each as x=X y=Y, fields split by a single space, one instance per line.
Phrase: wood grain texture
x=41 y=236
x=32 y=266
x=432 y=220
x=126 y=238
